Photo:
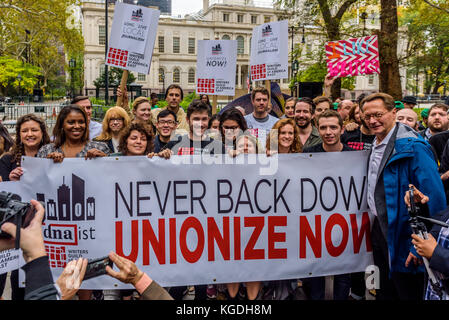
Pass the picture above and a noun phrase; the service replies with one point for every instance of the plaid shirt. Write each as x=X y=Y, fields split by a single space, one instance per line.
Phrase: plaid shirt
x=443 y=240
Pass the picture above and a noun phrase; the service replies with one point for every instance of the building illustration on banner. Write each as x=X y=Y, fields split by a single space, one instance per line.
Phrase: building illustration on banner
x=70 y=207
x=267 y=31
x=137 y=15
x=216 y=49
x=74 y=209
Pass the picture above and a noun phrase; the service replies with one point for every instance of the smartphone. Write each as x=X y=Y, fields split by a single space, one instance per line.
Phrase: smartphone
x=97 y=267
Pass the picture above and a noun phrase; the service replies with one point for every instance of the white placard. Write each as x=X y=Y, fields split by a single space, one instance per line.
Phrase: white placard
x=269 y=51
x=216 y=63
x=132 y=38
x=196 y=220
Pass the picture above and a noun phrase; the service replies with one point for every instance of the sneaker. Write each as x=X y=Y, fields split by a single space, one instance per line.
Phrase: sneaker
x=211 y=291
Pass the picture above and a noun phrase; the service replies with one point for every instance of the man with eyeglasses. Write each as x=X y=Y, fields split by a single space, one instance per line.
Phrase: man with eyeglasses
x=399 y=157
x=166 y=125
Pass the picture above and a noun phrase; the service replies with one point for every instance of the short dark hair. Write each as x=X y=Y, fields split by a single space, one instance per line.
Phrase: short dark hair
x=165 y=113
x=262 y=90
x=212 y=119
x=174 y=86
x=309 y=101
x=142 y=128
x=330 y=114
x=197 y=106
x=78 y=99
x=153 y=95
x=320 y=99
x=58 y=131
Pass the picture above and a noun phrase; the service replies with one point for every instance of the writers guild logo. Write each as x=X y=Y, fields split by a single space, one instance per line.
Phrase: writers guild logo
x=137 y=15
x=267 y=31
x=216 y=49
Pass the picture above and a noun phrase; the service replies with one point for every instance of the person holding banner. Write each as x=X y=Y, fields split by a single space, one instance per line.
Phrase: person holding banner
x=71 y=137
x=166 y=126
x=31 y=135
x=398 y=157
x=137 y=141
x=232 y=124
x=304 y=115
x=284 y=138
x=196 y=142
x=115 y=121
x=330 y=127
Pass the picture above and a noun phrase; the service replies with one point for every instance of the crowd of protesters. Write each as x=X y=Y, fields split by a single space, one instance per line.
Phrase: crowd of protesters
x=403 y=152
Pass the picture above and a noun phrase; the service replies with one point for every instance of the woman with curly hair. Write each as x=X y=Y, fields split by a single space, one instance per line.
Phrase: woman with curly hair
x=31 y=135
x=284 y=138
x=115 y=121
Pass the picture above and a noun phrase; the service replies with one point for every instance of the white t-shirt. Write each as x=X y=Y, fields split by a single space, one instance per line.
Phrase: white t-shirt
x=260 y=127
x=95 y=129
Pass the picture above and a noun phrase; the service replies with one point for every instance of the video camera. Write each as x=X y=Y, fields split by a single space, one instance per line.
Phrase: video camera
x=14 y=211
x=420 y=224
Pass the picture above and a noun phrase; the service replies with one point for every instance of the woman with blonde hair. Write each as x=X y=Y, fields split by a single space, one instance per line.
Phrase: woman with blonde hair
x=115 y=121
x=284 y=138
x=141 y=110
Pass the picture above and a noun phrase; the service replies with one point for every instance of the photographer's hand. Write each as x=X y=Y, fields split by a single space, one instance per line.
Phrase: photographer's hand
x=128 y=271
x=411 y=257
x=418 y=196
x=31 y=239
x=71 y=278
x=424 y=247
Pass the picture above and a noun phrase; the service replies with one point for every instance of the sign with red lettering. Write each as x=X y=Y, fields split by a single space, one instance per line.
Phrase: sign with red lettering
x=269 y=51
x=195 y=219
x=353 y=57
x=132 y=38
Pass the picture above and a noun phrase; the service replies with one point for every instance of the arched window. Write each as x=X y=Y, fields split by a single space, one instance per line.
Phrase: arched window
x=240 y=45
x=225 y=37
x=176 y=75
x=161 y=75
x=191 y=75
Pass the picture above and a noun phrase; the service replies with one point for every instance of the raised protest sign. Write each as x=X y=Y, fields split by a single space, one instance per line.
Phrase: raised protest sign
x=196 y=220
x=132 y=38
x=269 y=51
x=353 y=57
x=216 y=62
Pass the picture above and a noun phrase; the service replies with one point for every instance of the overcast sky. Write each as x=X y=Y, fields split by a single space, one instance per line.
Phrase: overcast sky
x=183 y=7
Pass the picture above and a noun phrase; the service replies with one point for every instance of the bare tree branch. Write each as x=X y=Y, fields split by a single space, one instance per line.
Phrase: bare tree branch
x=430 y=3
x=14 y=7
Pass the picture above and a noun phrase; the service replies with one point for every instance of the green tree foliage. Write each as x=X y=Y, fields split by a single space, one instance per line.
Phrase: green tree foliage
x=40 y=32
x=427 y=29
x=10 y=69
x=114 y=78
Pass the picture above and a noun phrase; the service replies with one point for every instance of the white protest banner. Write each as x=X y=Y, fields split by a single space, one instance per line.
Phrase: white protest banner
x=132 y=38
x=269 y=51
x=199 y=220
x=216 y=63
